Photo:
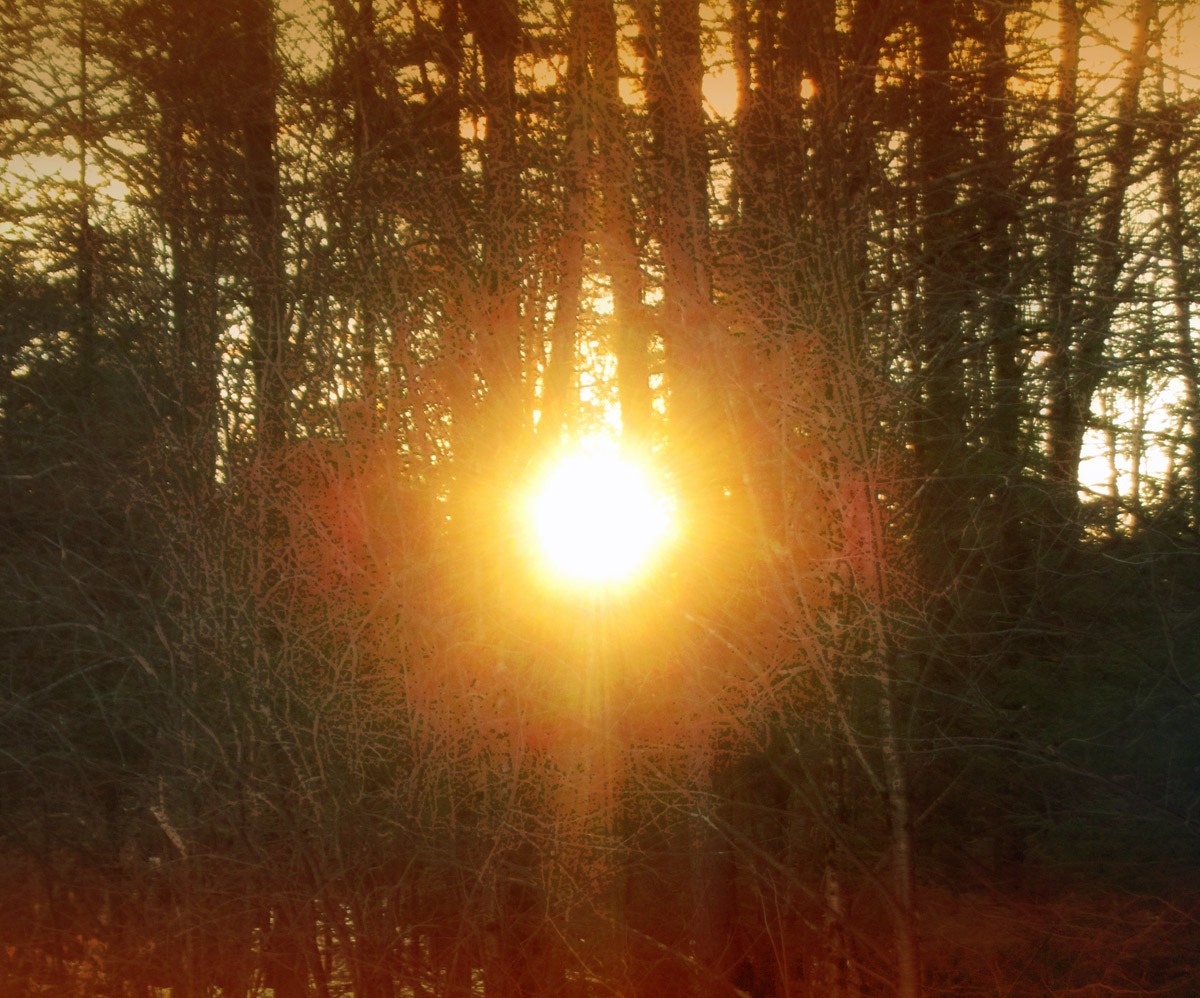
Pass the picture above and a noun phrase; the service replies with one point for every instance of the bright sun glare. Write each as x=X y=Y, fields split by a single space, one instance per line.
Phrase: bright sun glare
x=597 y=519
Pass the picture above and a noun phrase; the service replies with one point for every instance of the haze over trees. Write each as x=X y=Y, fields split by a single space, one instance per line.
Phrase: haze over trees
x=894 y=297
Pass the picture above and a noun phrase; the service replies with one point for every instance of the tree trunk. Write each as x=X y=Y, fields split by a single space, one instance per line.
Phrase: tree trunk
x=1003 y=319
x=939 y=429
x=285 y=965
x=85 y=289
x=696 y=426
x=497 y=31
x=1181 y=295
x=1007 y=557
x=559 y=373
x=618 y=241
x=1064 y=246
x=264 y=213
x=193 y=298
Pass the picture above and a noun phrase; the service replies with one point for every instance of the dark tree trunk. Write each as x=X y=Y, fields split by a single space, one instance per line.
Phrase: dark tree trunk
x=560 y=366
x=1182 y=288
x=939 y=430
x=618 y=240
x=264 y=212
x=497 y=30
x=85 y=288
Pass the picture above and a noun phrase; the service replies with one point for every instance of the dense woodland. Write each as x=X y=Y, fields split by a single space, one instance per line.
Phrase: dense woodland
x=294 y=295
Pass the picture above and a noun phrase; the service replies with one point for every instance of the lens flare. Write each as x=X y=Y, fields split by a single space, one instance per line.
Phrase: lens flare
x=596 y=518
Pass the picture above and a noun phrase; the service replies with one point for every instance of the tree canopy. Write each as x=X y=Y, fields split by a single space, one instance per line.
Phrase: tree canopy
x=889 y=303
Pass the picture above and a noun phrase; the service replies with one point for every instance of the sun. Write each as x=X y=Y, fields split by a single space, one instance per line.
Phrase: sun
x=596 y=519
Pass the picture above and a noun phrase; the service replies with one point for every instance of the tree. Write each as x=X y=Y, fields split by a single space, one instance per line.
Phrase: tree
x=256 y=83
x=1078 y=365
x=295 y=303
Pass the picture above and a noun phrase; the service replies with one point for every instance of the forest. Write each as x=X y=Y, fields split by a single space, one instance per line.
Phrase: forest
x=891 y=300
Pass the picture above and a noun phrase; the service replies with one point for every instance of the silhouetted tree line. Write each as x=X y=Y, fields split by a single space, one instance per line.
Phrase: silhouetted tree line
x=293 y=297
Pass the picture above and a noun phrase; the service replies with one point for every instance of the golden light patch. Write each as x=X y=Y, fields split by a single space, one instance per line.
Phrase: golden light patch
x=596 y=518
